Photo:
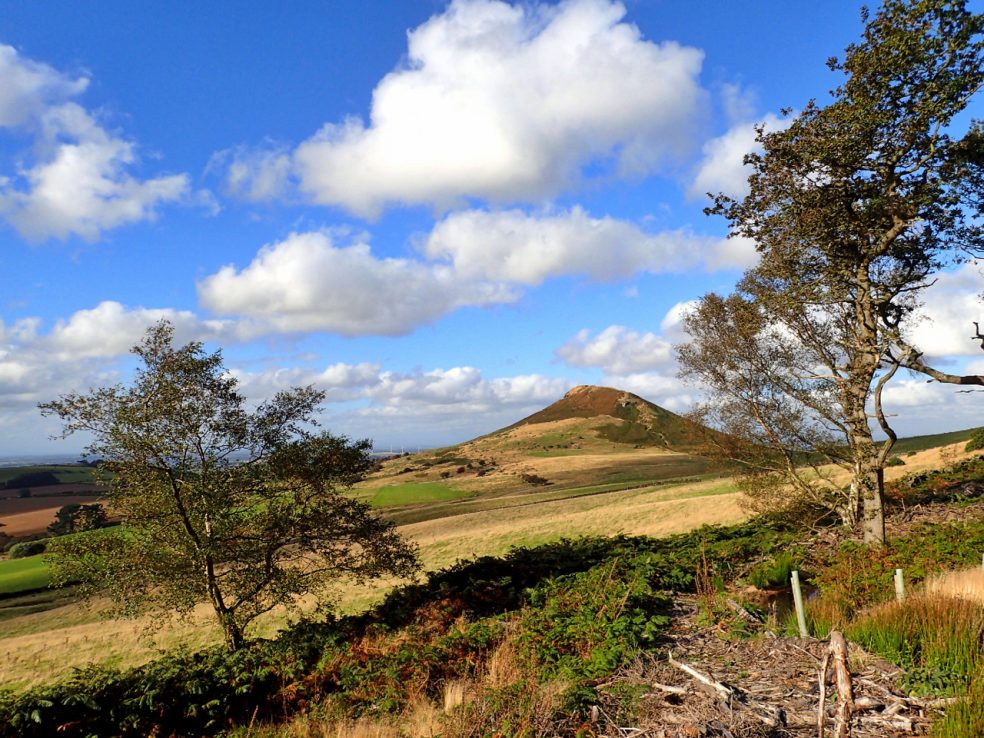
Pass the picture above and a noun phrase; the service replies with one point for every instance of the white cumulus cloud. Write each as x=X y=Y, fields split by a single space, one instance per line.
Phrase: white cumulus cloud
x=308 y=283
x=617 y=350
x=944 y=324
x=111 y=329
x=722 y=168
x=502 y=102
x=77 y=178
x=27 y=87
x=523 y=248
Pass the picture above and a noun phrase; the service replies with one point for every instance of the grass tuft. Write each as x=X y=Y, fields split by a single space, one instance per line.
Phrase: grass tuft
x=775 y=572
x=964 y=718
x=935 y=638
x=967 y=584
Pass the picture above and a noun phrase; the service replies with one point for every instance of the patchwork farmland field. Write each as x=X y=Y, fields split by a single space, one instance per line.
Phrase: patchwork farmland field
x=19 y=575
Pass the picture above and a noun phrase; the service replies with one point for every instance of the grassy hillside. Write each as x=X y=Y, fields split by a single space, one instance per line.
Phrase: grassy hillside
x=581 y=637
x=11 y=476
x=18 y=575
x=922 y=443
x=630 y=419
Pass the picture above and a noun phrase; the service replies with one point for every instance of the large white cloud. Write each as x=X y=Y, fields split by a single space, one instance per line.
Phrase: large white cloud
x=502 y=102
x=518 y=247
x=111 y=329
x=28 y=87
x=944 y=324
x=341 y=382
x=426 y=407
x=617 y=350
x=83 y=350
x=307 y=283
x=77 y=178
x=310 y=282
x=722 y=167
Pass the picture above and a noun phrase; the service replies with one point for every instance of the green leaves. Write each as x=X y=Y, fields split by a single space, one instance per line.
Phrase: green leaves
x=854 y=207
x=241 y=508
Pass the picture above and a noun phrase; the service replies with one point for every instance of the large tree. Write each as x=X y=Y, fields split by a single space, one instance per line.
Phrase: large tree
x=854 y=208
x=240 y=507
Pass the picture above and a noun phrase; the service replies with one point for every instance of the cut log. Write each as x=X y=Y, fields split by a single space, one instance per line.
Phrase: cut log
x=845 y=690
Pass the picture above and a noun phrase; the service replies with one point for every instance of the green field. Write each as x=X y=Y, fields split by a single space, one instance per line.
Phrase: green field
x=19 y=575
x=922 y=443
x=414 y=493
x=64 y=473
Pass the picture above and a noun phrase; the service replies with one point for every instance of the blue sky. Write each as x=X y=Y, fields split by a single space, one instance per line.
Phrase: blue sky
x=445 y=215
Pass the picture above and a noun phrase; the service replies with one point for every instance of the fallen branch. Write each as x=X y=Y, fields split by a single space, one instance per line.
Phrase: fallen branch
x=723 y=691
x=768 y=714
x=743 y=612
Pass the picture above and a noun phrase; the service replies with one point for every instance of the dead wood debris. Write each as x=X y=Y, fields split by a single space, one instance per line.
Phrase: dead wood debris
x=704 y=686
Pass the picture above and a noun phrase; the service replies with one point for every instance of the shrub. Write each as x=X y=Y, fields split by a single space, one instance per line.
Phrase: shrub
x=76 y=518
x=535 y=479
x=895 y=461
x=572 y=609
x=976 y=441
x=27 y=548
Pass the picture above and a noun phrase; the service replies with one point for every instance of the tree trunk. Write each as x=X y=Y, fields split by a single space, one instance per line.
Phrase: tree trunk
x=234 y=637
x=867 y=484
x=871 y=484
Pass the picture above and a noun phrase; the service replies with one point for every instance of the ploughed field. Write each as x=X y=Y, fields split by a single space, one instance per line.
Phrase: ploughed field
x=31 y=495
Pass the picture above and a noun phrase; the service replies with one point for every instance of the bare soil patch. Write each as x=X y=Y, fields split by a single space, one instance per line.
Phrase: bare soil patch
x=24 y=516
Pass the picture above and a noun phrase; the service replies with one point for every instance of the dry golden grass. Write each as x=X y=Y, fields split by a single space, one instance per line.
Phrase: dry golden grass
x=647 y=511
x=421 y=720
x=966 y=585
x=43 y=647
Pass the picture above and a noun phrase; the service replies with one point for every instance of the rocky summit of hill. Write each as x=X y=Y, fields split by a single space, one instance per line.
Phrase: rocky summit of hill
x=629 y=418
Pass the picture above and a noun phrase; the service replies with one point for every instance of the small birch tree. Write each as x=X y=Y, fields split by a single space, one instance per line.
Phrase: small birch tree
x=241 y=508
